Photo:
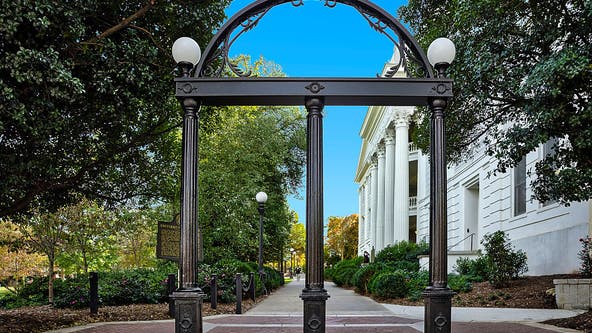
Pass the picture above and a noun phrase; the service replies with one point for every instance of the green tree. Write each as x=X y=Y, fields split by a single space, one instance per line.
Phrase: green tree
x=46 y=233
x=522 y=77
x=342 y=236
x=86 y=98
x=249 y=149
x=90 y=237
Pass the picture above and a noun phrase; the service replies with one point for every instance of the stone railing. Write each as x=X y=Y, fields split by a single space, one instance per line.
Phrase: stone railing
x=573 y=293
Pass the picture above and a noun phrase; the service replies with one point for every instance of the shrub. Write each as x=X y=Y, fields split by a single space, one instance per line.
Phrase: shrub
x=417 y=283
x=459 y=283
x=362 y=277
x=402 y=252
x=474 y=269
x=585 y=258
x=391 y=284
x=344 y=270
x=503 y=263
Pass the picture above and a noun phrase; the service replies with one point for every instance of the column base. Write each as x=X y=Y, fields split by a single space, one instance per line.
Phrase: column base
x=188 y=315
x=314 y=310
x=437 y=318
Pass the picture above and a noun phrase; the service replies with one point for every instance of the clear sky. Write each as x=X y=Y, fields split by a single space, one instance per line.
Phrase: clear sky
x=317 y=41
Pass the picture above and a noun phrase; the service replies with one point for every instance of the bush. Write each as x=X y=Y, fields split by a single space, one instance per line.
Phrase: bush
x=475 y=270
x=402 y=256
x=503 y=263
x=344 y=270
x=459 y=283
x=417 y=283
x=362 y=277
x=391 y=284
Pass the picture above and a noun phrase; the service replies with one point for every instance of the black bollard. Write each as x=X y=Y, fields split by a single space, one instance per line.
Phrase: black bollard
x=94 y=293
x=239 y=294
x=171 y=288
x=214 y=291
x=252 y=286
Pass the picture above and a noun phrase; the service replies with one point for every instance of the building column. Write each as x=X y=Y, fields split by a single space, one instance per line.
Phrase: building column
x=374 y=201
x=367 y=213
x=380 y=204
x=360 y=219
x=401 y=201
x=389 y=191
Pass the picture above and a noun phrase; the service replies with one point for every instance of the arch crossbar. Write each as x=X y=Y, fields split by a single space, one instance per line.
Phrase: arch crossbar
x=215 y=59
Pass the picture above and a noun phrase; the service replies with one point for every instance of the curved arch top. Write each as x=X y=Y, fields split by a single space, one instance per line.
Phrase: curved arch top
x=215 y=58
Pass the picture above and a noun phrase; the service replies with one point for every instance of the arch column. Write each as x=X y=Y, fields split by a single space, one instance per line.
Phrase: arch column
x=401 y=202
x=389 y=191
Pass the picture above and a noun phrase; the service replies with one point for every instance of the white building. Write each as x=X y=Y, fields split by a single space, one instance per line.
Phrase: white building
x=394 y=198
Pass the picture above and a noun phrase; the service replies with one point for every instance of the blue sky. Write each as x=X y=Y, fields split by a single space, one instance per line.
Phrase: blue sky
x=317 y=41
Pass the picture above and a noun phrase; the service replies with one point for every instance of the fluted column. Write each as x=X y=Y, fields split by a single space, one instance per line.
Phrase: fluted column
x=389 y=191
x=401 y=177
x=374 y=200
x=367 y=213
x=380 y=204
x=360 y=219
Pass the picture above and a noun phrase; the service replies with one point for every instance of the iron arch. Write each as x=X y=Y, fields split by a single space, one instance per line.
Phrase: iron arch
x=215 y=57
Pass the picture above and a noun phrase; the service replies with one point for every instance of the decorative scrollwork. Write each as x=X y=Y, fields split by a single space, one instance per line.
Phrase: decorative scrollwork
x=406 y=54
x=297 y=3
x=215 y=65
x=440 y=321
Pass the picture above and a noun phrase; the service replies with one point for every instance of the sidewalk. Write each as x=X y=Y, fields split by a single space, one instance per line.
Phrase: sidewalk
x=348 y=312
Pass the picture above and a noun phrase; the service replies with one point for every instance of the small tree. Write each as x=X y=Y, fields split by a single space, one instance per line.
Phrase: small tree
x=585 y=257
x=503 y=263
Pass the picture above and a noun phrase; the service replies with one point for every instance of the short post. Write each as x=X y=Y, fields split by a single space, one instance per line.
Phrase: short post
x=94 y=293
x=239 y=294
x=252 y=287
x=214 y=291
x=171 y=288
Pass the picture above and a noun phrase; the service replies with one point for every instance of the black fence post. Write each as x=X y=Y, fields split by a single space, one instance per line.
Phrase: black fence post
x=171 y=288
x=239 y=294
x=214 y=291
x=252 y=287
x=94 y=293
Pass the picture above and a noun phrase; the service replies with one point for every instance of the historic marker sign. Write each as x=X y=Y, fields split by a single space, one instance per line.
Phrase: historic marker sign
x=168 y=239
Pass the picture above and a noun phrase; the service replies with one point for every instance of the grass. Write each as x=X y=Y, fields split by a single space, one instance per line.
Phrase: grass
x=3 y=291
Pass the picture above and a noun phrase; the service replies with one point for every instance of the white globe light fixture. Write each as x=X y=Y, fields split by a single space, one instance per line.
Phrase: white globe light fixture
x=187 y=50
x=441 y=53
x=261 y=197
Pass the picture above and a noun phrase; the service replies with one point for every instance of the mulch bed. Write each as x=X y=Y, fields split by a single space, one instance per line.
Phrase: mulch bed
x=45 y=318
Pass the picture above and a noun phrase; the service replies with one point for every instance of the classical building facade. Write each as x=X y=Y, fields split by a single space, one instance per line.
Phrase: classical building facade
x=393 y=177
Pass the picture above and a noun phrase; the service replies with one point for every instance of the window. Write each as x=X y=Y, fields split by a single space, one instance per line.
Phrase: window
x=549 y=150
x=520 y=188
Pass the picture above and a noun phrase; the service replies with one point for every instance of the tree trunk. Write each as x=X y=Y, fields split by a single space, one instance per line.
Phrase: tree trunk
x=50 y=282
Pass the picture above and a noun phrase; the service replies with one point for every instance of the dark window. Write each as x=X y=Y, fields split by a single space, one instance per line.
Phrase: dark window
x=549 y=150
x=520 y=188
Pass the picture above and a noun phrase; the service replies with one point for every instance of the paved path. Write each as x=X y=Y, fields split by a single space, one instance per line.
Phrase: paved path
x=347 y=312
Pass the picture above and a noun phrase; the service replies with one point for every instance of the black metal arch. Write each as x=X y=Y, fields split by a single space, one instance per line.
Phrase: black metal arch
x=215 y=57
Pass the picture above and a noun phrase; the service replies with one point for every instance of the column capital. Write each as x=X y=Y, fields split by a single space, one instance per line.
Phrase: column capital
x=402 y=118
x=381 y=149
x=389 y=138
x=374 y=161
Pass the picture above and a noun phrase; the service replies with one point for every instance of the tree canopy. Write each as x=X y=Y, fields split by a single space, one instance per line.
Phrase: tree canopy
x=522 y=78
x=249 y=149
x=86 y=100
x=342 y=236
